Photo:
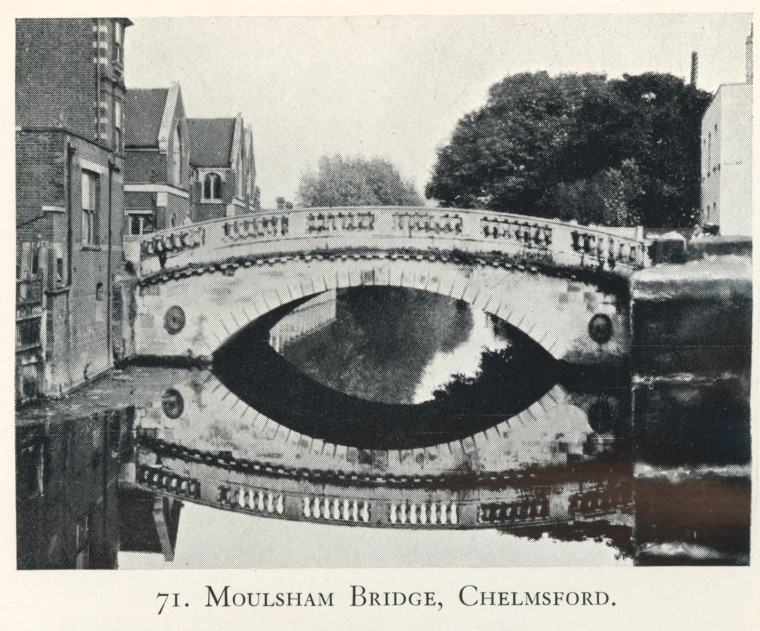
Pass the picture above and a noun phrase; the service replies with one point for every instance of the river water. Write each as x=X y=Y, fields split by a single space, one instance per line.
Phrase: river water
x=443 y=465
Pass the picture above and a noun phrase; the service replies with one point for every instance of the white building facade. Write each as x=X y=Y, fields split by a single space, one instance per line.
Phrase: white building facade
x=727 y=158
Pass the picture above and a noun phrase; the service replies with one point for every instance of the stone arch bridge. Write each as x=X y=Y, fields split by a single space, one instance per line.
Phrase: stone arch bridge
x=563 y=285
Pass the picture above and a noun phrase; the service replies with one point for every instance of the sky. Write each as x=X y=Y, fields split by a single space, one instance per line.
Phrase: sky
x=395 y=86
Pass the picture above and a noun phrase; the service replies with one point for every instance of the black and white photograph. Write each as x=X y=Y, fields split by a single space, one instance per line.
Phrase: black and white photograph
x=383 y=291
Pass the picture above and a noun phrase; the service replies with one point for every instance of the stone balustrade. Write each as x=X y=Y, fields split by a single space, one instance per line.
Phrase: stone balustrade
x=165 y=243
x=306 y=231
x=166 y=480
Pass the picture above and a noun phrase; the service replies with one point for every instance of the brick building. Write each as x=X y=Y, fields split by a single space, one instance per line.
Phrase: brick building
x=69 y=199
x=223 y=170
x=156 y=160
x=727 y=157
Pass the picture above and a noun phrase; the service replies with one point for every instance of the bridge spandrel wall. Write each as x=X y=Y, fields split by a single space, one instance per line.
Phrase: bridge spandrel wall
x=195 y=314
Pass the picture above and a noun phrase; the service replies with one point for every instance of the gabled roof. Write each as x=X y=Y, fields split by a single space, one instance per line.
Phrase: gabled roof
x=211 y=141
x=143 y=113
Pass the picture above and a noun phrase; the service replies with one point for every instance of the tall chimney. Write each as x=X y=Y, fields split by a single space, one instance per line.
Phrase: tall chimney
x=749 y=54
x=694 y=68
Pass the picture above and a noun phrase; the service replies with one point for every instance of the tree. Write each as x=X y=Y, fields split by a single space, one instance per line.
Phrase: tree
x=655 y=120
x=579 y=147
x=608 y=198
x=356 y=182
x=501 y=156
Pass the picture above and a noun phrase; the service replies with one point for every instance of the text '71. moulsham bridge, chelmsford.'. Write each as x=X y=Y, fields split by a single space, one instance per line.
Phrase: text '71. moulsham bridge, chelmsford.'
x=563 y=285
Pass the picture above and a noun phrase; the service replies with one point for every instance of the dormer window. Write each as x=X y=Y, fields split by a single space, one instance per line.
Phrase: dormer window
x=212 y=186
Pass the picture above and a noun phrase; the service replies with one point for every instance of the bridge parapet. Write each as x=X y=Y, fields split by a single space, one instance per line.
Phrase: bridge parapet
x=392 y=227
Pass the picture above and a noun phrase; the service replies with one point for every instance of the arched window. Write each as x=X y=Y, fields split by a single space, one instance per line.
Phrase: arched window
x=174 y=220
x=212 y=186
x=177 y=157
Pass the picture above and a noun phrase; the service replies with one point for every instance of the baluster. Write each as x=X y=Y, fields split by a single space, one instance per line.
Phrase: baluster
x=315 y=512
x=345 y=510
x=433 y=513
x=280 y=505
x=306 y=507
x=260 y=502
x=393 y=514
x=355 y=510
x=413 y=514
x=326 y=508
x=575 y=235
x=402 y=513
x=454 y=517
x=365 y=512
x=537 y=234
x=423 y=514
x=270 y=502
x=588 y=242
x=527 y=233
x=241 y=497
x=547 y=236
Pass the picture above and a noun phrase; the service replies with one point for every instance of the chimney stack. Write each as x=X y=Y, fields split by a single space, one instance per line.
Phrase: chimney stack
x=694 y=68
x=749 y=60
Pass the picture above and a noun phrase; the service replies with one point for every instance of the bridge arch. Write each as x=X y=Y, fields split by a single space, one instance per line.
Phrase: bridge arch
x=213 y=302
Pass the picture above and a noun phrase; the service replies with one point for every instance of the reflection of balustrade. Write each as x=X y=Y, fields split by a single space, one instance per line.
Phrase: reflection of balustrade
x=527 y=234
x=597 y=500
x=340 y=220
x=433 y=513
x=427 y=223
x=174 y=242
x=271 y=226
x=251 y=499
x=608 y=250
x=511 y=512
x=167 y=480
x=335 y=509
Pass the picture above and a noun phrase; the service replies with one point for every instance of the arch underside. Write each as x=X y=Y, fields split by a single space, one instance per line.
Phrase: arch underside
x=226 y=322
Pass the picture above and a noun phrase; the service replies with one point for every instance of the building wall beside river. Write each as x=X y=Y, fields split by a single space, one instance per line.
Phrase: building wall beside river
x=69 y=198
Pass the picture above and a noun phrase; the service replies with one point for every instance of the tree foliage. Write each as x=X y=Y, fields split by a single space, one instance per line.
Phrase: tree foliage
x=580 y=147
x=356 y=182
